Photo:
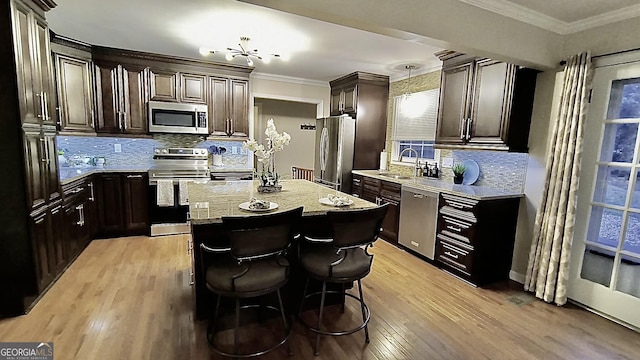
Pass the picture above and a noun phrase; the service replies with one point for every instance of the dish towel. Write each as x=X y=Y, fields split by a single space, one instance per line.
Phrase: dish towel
x=165 y=195
x=183 y=192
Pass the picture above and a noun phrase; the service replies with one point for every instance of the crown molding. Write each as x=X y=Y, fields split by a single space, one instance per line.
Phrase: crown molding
x=535 y=18
x=289 y=79
x=421 y=71
x=520 y=13
x=610 y=17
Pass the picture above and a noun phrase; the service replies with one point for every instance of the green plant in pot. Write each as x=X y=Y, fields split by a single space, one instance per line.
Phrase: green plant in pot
x=458 y=173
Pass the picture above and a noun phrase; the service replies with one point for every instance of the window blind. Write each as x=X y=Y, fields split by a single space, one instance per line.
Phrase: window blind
x=415 y=116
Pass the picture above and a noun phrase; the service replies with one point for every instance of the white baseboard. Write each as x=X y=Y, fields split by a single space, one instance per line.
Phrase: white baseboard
x=516 y=277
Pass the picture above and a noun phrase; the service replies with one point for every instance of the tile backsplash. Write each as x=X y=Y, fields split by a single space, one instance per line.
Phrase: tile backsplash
x=139 y=152
x=498 y=169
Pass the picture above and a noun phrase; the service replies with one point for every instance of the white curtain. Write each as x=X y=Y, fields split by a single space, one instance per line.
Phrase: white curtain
x=548 y=268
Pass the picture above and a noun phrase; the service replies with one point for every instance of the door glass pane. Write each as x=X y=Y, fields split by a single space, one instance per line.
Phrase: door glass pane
x=624 y=102
x=629 y=276
x=635 y=199
x=597 y=266
x=619 y=142
x=611 y=185
x=632 y=237
x=605 y=226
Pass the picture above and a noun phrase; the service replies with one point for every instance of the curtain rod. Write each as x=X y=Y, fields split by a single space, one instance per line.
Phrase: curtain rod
x=563 y=62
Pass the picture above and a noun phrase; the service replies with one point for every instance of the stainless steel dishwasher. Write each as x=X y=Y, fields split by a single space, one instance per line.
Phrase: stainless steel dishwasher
x=418 y=217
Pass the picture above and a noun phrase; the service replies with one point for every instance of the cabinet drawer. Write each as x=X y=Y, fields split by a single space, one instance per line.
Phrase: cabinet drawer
x=459 y=229
x=458 y=202
x=454 y=254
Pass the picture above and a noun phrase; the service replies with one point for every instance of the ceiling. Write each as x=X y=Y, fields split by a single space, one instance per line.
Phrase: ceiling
x=311 y=49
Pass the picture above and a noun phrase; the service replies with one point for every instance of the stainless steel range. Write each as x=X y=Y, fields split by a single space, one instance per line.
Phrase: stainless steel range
x=172 y=170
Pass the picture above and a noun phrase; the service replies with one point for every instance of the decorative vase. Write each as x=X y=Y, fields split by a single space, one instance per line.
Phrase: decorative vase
x=269 y=179
x=217 y=160
x=457 y=179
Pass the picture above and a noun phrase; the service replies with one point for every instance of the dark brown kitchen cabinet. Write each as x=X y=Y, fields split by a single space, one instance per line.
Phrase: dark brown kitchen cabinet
x=41 y=167
x=356 y=185
x=75 y=92
x=475 y=238
x=79 y=199
x=383 y=192
x=163 y=85
x=229 y=107
x=365 y=97
x=43 y=250
x=121 y=97
x=193 y=88
x=122 y=204
x=34 y=69
x=484 y=104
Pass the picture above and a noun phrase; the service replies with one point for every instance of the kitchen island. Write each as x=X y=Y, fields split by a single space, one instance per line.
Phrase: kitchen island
x=209 y=201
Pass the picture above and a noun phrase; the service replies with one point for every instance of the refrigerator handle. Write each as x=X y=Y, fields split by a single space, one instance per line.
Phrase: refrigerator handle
x=324 y=149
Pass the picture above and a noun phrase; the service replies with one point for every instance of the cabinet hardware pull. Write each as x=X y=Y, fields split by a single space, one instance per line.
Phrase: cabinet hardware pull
x=355 y=195
x=92 y=196
x=59 y=111
x=91 y=120
x=45 y=107
x=455 y=256
x=418 y=196
x=134 y=176
x=469 y=120
x=454 y=228
x=357 y=181
x=462 y=128
x=124 y=120
x=119 y=120
x=77 y=190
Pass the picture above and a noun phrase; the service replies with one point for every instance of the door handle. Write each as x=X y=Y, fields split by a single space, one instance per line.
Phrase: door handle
x=45 y=106
x=41 y=115
x=92 y=196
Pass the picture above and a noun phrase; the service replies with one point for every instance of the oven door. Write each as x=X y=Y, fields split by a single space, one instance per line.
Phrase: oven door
x=177 y=118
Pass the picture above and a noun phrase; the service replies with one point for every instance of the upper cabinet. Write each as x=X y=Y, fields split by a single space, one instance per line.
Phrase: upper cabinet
x=484 y=104
x=34 y=69
x=229 y=107
x=122 y=98
x=74 y=86
x=365 y=97
x=163 y=85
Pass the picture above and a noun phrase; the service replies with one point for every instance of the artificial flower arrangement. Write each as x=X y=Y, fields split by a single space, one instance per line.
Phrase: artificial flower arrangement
x=266 y=156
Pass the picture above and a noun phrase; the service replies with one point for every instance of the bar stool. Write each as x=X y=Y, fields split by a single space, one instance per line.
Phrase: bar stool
x=342 y=259
x=255 y=266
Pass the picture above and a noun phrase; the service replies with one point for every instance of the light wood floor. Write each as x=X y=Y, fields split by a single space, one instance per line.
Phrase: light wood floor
x=130 y=298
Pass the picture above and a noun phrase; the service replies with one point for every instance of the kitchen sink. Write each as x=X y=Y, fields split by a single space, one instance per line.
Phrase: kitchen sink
x=395 y=176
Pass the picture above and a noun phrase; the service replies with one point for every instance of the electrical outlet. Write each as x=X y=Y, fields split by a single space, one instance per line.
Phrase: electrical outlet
x=117 y=148
x=447 y=162
x=234 y=150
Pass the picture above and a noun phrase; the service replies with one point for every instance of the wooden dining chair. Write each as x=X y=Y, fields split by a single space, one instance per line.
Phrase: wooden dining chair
x=301 y=173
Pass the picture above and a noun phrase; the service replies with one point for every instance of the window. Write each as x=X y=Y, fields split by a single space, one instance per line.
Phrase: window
x=414 y=126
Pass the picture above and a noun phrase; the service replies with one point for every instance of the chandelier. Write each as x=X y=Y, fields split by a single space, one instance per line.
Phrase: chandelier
x=243 y=51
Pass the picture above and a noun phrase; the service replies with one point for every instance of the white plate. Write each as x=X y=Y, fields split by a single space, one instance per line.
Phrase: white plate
x=245 y=206
x=471 y=174
x=326 y=201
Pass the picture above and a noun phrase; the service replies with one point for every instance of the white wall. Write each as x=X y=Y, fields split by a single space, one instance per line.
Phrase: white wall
x=288 y=116
x=606 y=39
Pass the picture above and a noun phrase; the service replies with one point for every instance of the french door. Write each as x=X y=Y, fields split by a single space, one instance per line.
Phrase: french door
x=605 y=258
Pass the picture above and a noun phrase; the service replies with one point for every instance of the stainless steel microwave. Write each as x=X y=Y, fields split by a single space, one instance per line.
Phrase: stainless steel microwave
x=166 y=117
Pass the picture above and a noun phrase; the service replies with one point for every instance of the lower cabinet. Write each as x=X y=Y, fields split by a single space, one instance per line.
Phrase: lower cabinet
x=475 y=238
x=44 y=250
x=381 y=192
x=122 y=204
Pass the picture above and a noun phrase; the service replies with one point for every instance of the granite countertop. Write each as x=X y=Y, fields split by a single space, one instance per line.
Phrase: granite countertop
x=70 y=174
x=210 y=200
x=230 y=168
x=429 y=184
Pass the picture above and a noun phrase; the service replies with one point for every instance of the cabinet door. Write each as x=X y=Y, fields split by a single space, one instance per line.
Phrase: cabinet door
x=75 y=94
x=163 y=85
x=350 y=99
x=71 y=221
x=391 y=220
x=91 y=209
x=335 y=107
x=110 y=204
x=136 y=207
x=45 y=81
x=239 y=108
x=50 y=165
x=26 y=73
x=491 y=102
x=218 y=113
x=134 y=101
x=193 y=88
x=57 y=232
x=108 y=100
x=455 y=91
x=43 y=250
x=34 y=159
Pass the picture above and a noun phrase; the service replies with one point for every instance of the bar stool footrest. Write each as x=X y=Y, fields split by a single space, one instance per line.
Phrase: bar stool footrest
x=338 y=333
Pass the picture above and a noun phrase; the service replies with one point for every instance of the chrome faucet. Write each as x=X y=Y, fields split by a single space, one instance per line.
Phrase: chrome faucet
x=417 y=167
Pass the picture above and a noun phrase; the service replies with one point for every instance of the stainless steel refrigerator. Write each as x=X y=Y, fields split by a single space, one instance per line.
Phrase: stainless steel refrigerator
x=335 y=138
